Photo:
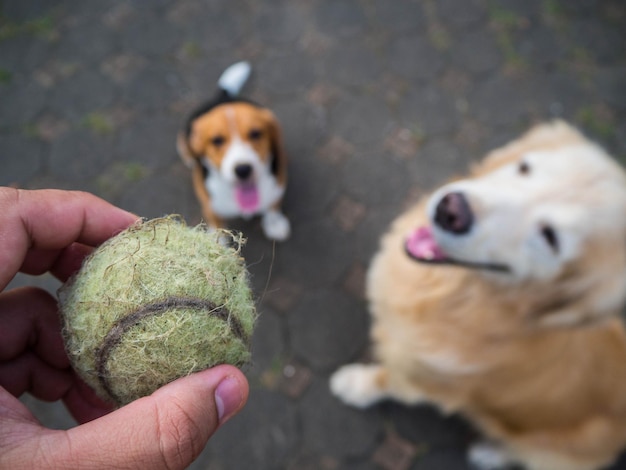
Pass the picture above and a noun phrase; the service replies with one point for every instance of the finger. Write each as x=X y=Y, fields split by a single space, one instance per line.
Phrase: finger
x=18 y=428
x=52 y=220
x=36 y=261
x=165 y=430
x=30 y=321
x=83 y=403
x=32 y=355
x=61 y=263
x=70 y=261
x=28 y=373
x=15 y=412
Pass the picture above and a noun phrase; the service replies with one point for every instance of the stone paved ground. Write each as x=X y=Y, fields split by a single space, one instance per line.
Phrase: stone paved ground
x=380 y=101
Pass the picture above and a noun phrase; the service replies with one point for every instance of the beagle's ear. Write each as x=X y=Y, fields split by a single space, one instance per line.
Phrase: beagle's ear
x=279 y=157
x=184 y=150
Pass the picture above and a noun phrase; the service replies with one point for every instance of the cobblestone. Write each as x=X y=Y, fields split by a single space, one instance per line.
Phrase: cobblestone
x=379 y=102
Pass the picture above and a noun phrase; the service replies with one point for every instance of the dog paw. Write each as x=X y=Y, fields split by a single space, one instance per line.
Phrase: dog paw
x=489 y=456
x=276 y=226
x=356 y=385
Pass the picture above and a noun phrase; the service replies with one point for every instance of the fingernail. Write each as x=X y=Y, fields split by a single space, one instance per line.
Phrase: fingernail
x=227 y=398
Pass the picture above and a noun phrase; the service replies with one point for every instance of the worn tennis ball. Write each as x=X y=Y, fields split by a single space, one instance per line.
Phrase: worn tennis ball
x=159 y=301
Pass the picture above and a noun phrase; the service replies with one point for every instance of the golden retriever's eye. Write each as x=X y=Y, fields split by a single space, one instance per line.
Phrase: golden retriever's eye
x=255 y=134
x=524 y=168
x=218 y=140
x=549 y=235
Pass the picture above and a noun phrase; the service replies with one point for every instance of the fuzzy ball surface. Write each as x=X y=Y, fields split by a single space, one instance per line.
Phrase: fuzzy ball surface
x=159 y=301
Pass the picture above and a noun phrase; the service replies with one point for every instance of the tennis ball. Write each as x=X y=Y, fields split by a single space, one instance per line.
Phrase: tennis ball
x=159 y=301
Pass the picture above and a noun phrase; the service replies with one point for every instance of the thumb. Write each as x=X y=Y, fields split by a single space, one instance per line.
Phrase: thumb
x=168 y=429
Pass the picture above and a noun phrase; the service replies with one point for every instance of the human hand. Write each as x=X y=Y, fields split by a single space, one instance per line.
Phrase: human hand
x=52 y=231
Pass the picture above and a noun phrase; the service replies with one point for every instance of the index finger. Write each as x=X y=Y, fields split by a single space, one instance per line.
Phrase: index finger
x=52 y=220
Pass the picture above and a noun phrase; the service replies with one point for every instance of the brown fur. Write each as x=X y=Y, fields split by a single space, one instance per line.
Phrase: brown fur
x=554 y=395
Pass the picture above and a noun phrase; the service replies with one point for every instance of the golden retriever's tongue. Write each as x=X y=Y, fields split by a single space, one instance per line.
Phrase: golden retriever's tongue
x=422 y=245
x=247 y=195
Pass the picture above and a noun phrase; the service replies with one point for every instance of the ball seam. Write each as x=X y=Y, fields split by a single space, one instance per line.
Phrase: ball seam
x=117 y=331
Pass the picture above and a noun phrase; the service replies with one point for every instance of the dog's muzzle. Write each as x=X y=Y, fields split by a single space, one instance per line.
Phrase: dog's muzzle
x=453 y=215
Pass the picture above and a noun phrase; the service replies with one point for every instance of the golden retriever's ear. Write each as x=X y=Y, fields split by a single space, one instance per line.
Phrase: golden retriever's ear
x=184 y=150
x=279 y=157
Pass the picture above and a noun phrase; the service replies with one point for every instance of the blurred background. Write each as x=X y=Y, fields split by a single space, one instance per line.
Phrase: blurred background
x=380 y=101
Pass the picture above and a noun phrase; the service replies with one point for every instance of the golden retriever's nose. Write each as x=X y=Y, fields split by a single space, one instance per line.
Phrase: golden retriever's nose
x=453 y=213
x=243 y=171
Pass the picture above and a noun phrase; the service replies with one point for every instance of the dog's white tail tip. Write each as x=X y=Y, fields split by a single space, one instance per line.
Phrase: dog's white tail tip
x=235 y=77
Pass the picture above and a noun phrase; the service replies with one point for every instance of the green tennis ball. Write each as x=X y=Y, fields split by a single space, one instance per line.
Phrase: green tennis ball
x=159 y=301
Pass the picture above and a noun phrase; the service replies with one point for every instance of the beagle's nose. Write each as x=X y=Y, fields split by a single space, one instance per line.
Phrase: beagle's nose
x=453 y=213
x=243 y=171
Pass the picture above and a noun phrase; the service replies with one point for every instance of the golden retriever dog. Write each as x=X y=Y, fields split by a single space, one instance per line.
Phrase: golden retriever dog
x=499 y=297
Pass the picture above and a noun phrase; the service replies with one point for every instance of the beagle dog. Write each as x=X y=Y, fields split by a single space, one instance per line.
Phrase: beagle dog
x=235 y=151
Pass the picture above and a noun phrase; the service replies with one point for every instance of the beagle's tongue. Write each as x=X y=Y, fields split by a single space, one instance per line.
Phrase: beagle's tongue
x=247 y=195
x=421 y=245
